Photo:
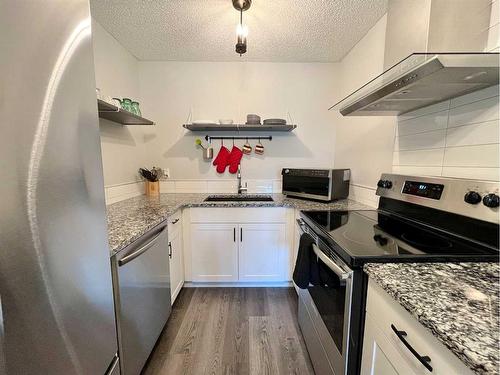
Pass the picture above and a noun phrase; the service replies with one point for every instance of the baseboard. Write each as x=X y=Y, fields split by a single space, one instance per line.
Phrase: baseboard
x=238 y=284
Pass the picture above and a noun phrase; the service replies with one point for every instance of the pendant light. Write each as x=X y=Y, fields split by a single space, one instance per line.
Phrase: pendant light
x=241 y=30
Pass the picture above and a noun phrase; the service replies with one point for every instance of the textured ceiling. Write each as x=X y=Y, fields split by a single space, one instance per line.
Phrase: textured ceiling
x=205 y=30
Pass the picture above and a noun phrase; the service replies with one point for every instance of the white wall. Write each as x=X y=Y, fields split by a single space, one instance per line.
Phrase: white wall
x=232 y=90
x=364 y=144
x=117 y=75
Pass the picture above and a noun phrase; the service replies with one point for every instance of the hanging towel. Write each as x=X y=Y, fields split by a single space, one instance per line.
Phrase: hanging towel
x=306 y=267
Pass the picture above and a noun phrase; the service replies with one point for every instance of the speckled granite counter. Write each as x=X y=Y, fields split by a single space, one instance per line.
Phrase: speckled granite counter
x=131 y=218
x=458 y=303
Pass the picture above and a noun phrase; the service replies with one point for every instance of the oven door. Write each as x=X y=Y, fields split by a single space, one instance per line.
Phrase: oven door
x=328 y=308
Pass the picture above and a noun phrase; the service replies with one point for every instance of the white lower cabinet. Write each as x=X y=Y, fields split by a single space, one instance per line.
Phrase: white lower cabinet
x=262 y=252
x=384 y=353
x=176 y=265
x=214 y=252
x=175 y=252
x=238 y=244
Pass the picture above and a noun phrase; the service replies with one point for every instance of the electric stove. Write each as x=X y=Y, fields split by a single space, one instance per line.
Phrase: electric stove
x=418 y=219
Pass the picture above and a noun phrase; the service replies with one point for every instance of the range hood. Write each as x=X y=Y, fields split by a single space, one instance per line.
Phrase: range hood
x=420 y=80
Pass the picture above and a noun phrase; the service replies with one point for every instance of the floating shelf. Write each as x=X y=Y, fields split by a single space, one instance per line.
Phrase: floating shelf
x=113 y=113
x=239 y=127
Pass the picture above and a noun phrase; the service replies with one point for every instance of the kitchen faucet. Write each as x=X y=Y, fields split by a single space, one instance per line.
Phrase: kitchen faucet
x=241 y=189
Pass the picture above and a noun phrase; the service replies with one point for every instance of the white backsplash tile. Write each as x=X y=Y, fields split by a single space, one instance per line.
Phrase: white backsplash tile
x=462 y=141
x=480 y=111
x=422 y=141
x=472 y=156
x=191 y=186
x=417 y=170
x=488 y=174
x=473 y=134
x=222 y=186
x=116 y=193
x=422 y=124
x=432 y=157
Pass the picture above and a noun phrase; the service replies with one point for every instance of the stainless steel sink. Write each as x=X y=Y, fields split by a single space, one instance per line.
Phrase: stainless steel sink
x=239 y=198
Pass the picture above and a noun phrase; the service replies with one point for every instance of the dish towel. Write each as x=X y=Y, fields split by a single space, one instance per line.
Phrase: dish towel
x=222 y=159
x=306 y=267
x=234 y=159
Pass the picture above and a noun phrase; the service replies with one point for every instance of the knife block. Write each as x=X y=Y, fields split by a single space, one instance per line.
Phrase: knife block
x=152 y=188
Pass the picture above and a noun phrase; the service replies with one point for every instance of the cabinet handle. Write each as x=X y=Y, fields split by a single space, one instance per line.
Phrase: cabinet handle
x=422 y=359
x=175 y=221
x=241 y=234
x=170 y=250
x=234 y=234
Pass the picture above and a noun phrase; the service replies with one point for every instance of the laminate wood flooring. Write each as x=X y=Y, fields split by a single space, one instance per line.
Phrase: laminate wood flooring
x=243 y=331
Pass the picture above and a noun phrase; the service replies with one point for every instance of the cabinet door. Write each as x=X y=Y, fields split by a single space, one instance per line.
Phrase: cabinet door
x=176 y=263
x=214 y=252
x=263 y=252
x=379 y=357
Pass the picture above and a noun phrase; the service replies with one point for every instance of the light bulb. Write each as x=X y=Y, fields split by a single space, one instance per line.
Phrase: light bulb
x=242 y=30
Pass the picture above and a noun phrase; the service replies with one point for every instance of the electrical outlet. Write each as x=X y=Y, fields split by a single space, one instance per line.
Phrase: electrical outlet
x=167 y=172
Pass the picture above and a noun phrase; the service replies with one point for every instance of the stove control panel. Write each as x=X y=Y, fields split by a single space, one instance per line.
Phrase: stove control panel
x=423 y=189
x=472 y=198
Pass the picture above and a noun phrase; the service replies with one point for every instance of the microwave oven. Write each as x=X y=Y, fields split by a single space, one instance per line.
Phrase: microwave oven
x=318 y=184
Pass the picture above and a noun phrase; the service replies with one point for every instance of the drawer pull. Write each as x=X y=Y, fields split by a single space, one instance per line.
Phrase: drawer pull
x=175 y=221
x=422 y=359
x=170 y=250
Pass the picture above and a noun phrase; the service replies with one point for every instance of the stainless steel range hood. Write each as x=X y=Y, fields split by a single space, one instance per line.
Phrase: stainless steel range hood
x=420 y=80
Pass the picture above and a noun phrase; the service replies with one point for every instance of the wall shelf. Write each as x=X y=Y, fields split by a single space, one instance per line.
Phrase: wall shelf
x=120 y=116
x=239 y=127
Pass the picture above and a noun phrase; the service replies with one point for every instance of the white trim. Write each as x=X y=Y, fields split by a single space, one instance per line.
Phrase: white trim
x=237 y=284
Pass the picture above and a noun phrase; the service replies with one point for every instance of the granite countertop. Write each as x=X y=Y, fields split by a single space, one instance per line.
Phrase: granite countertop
x=131 y=218
x=458 y=303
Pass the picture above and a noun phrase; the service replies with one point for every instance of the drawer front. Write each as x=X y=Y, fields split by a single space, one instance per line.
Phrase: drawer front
x=174 y=222
x=238 y=215
x=385 y=311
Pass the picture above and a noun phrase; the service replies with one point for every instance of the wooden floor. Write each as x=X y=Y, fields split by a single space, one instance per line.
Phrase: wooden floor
x=232 y=331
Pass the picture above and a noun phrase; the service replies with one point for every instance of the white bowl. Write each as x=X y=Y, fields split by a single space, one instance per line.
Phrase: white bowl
x=225 y=122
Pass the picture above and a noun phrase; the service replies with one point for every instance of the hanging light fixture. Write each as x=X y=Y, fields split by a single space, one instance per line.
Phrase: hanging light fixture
x=241 y=30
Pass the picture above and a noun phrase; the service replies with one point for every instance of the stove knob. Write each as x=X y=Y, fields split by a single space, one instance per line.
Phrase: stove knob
x=491 y=200
x=472 y=197
x=385 y=184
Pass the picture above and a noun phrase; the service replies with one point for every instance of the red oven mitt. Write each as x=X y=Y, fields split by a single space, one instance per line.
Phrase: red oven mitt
x=222 y=159
x=234 y=159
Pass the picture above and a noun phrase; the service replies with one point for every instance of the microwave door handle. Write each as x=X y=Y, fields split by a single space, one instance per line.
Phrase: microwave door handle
x=331 y=264
x=140 y=250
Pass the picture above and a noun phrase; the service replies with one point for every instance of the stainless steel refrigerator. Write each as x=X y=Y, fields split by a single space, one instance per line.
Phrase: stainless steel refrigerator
x=56 y=301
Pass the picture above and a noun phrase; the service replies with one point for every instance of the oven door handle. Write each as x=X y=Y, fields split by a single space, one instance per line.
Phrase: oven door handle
x=301 y=224
x=331 y=264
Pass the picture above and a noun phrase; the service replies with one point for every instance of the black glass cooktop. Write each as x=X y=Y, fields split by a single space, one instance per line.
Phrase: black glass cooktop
x=374 y=236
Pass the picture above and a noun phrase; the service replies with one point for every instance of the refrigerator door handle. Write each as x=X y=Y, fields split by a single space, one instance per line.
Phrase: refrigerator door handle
x=140 y=250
